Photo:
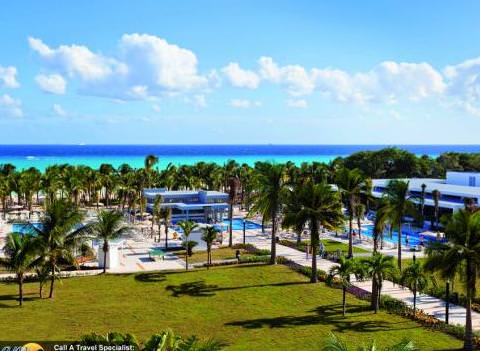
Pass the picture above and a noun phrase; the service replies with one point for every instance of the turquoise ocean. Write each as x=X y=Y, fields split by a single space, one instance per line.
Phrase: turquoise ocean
x=41 y=156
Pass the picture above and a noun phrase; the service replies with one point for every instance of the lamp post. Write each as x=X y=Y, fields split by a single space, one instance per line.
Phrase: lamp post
x=244 y=231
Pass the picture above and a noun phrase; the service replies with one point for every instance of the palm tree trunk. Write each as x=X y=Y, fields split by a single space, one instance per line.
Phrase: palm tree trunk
x=344 y=300
x=273 y=251
x=374 y=296
x=350 y=236
x=52 y=282
x=230 y=218
x=314 y=243
x=415 y=301
x=379 y=295
x=359 y=224
x=166 y=236
x=471 y=281
x=186 y=257
x=105 y=250
x=20 y=290
x=399 y=251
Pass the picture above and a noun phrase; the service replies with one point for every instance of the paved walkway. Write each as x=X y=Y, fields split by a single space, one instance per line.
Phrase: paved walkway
x=430 y=305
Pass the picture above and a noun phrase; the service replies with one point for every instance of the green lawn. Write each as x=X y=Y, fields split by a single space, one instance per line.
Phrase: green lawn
x=332 y=245
x=249 y=307
x=222 y=253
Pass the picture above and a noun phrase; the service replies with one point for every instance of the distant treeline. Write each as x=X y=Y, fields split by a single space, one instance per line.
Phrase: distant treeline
x=397 y=163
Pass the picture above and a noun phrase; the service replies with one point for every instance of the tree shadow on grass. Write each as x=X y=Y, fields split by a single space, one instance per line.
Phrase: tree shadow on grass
x=200 y=289
x=324 y=315
x=14 y=298
x=197 y=289
x=155 y=277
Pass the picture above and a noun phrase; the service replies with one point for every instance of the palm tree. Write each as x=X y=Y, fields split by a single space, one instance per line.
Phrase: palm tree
x=187 y=227
x=343 y=270
x=350 y=184
x=422 y=199
x=233 y=188
x=359 y=212
x=167 y=217
x=267 y=199
x=60 y=232
x=334 y=343
x=19 y=258
x=315 y=205
x=415 y=278
x=378 y=267
x=460 y=254
x=436 y=200
x=396 y=205
x=157 y=214
x=209 y=235
x=109 y=226
x=169 y=341
x=150 y=161
x=379 y=225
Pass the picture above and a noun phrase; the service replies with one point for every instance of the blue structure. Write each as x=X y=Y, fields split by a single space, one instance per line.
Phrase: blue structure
x=196 y=205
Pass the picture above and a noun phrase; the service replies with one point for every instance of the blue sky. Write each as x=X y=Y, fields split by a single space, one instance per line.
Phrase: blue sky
x=232 y=72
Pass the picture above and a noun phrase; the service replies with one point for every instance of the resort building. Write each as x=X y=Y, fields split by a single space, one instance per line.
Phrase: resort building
x=454 y=191
x=196 y=205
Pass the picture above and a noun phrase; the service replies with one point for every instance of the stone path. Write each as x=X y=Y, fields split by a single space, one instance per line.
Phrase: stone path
x=429 y=304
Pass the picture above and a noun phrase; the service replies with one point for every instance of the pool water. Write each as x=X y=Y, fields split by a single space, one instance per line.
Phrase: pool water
x=24 y=229
x=413 y=236
x=237 y=224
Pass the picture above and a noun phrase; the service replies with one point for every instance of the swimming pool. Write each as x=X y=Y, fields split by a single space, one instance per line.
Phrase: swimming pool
x=24 y=229
x=413 y=236
x=237 y=224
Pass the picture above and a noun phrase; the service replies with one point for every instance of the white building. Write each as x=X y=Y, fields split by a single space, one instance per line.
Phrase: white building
x=454 y=190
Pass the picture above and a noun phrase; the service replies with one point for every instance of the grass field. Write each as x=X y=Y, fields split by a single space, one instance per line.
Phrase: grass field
x=222 y=253
x=248 y=307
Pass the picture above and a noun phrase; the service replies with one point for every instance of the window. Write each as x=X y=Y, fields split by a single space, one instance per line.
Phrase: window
x=471 y=181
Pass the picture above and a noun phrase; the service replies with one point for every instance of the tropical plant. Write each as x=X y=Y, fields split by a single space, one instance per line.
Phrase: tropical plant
x=334 y=343
x=436 y=207
x=397 y=204
x=415 y=278
x=19 y=258
x=169 y=341
x=267 y=198
x=187 y=228
x=460 y=254
x=314 y=205
x=378 y=267
x=110 y=339
x=209 y=236
x=108 y=226
x=343 y=270
x=233 y=189
x=350 y=183
x=60 y=232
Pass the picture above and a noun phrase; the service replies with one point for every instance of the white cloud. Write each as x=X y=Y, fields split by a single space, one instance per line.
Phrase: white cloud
x=239 y=77
x=156 y=108
x=143 y=66
x=294 y=77
x=54 y=83
x=10 y=106
x=299 y=103
x=244 y=103
x=464 y=84
x=153 y=61
x=8 y=77
x=78 y=61
x=59 y=110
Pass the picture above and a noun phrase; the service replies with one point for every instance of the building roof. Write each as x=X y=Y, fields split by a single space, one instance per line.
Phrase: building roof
x=415 y=184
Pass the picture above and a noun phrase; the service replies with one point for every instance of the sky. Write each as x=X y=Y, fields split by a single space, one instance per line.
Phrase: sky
x=239 y=72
